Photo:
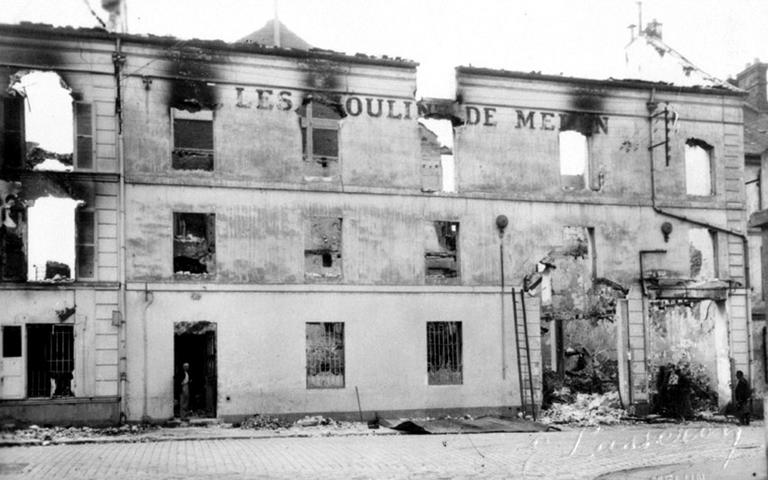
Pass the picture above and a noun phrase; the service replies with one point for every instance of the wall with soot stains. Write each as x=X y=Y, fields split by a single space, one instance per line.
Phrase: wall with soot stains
x=254 y=99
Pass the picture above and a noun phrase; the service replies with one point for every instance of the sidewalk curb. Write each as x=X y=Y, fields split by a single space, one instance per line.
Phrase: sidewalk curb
x=158 y=439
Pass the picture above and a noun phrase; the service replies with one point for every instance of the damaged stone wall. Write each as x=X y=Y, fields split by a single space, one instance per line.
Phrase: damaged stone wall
x=687 y=336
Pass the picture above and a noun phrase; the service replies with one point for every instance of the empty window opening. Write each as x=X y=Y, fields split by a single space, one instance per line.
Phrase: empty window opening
x=574 y=159
x=698 y=167
x=702 y=250
x=438 y=171
x=325 y=355
x=319 y=132
x=11 y=341
x=51 y=239
x=444 y=361
x=322 y=249
x=752 y=187
x=441 y=252
x=50 y=360
x=194 y=246
x=192 y=140
x=38 y=118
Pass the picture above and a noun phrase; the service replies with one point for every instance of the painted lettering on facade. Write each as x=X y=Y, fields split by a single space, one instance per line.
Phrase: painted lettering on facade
x=396 y=109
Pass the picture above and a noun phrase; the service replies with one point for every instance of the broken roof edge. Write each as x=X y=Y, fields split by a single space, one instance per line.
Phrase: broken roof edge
x=592 y=82
x=167 y=41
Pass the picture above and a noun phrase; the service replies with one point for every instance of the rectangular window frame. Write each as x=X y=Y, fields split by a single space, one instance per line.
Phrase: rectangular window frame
x=83 y=135
x=83 y=243
x=15 y=350
x=39 y=386
x=322 y=356
x=308 y=123
x=710 y=149
x=199 y=116
x=313 y=250
x=437 y=331
x=210 y=238
x=436 y=279
x=590 y=181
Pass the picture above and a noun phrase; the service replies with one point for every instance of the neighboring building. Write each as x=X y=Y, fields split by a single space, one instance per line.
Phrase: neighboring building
x=284 y=229
x=59 y=184
x=753 y=80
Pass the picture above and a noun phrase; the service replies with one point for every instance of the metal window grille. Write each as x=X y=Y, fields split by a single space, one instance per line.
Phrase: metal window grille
x=444 y=360
x=325 y=355
x=50 y=360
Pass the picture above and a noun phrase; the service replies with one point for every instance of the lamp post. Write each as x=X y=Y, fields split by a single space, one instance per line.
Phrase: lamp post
x=501 y=223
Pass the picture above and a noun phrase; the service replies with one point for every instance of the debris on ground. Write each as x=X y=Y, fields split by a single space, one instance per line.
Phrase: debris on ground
x=462 y=424
x=264 y=422
x=35 y=432
x=586 y=410
x=317 y=420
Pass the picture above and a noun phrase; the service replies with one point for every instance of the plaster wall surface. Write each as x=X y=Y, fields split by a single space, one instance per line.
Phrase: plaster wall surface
x=260 y=235
x=261 y=359
x=518 y=155
x=95 y=341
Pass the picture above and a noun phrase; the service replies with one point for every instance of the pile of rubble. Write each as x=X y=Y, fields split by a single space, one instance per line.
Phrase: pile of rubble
x=264 y=422
x=50 y=434
x=586 y=410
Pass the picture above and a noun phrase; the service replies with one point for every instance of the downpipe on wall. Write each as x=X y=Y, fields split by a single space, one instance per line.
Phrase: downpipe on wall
x=122 y=334
x=149 y=298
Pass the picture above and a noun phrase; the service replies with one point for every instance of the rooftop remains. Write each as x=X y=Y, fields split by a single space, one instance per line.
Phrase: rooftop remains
x=50 y=32
x=609 y=82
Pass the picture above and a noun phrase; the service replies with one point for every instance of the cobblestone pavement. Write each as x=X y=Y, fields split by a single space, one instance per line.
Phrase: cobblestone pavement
x=674 y=453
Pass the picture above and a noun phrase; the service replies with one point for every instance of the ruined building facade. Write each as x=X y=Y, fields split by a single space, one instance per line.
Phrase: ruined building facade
x=280 y=220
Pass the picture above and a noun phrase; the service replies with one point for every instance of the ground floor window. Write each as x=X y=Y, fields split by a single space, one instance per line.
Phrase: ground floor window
x=325 y=355
x=444 y=363
x=50 y=360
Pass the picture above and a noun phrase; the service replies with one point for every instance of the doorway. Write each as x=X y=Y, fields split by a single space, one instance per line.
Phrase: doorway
x=194 y=343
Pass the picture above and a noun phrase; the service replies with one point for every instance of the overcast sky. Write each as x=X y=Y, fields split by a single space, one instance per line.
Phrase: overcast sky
x=574 y=37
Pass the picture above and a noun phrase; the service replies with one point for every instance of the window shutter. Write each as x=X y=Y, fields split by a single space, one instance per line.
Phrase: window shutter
x=85 y=243
x=12 y=145
x=84 y=134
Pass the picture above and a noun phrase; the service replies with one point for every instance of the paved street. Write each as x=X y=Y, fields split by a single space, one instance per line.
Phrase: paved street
x=680 y=453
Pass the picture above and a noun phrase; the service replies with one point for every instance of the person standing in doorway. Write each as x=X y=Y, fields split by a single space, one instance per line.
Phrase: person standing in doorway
x=743 y=393
x=184 y=395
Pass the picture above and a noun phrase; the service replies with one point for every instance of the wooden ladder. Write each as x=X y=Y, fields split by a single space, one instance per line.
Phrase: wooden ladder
x=527 y=397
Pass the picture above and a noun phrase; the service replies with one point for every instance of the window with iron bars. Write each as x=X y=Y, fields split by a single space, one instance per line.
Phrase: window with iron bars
x=325 y=355
x=50 y=360
x=444 y=362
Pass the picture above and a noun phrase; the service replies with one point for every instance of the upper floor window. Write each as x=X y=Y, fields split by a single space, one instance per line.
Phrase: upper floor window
x=47 y=222
x=322 y=249
x=194 y=243
x=319 y=132
x=574 y=159
x=44 y=128
x=698 y=167
x=192 y=140
x=441 y=252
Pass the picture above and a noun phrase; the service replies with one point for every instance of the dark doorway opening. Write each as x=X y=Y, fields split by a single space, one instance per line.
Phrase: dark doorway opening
x=195 y=344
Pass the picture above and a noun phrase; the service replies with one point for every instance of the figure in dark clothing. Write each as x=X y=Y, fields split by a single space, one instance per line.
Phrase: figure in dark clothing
x=743 y=393
x=184 y=395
